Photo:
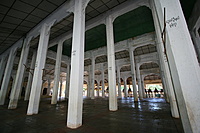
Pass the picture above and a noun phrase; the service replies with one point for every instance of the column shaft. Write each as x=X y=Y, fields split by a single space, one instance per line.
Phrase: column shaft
x=165 y=72
x=102 y=83
x=92 y=78
x=183 y=63
x=75 y=105
x=196 y=38
x=89 y=82
x=7 y=74
x=125 y=88
x=57 y=73
x=16 y=91
x=119 y=82
x=34 y=99
x=2 y=67
x=60 y=95
x=143 y=89
x=133 y=74
x=139 y=81
x=111 y=64
x=98 y=88
x=67 y=82
x=49 y=86
x=30 y=77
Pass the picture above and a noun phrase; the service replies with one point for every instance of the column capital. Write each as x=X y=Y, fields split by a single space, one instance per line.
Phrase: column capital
x=3 y=58
x=47 y=27
x=28 y=39
x=110 y=18
x=85 y=3
x=60 y=42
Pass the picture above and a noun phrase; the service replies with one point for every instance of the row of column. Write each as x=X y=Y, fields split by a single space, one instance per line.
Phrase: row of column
x=35 y=73
x=139 y=81
x=182 y=65
x=179 y=65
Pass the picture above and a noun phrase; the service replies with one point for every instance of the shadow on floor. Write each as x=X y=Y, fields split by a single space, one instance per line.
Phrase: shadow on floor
x=146 y=116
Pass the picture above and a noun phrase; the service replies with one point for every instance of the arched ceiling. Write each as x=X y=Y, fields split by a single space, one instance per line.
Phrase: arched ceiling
x=129 y=25
x=149 y=66
x=18 y=17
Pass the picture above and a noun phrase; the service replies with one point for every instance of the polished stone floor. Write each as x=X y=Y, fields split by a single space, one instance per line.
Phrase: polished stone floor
x=151 y=115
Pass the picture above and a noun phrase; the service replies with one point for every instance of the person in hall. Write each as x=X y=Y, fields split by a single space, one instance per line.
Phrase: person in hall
x=146 y=92
x=149 y=92
x=129 y=92
x=107 y=90
x=161 y=92
x=156 y=92
x=44 y=91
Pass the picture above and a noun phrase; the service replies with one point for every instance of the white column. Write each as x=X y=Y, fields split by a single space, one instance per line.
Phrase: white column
x=67 y=82
x=10 y=86
x=75 y=105
x=98 y=82
x=119 y=82
x=92 y=78
x=7 y=74
x=57 y=73
x=111 y=64
x=165 y=71
x=16 y=91
x=2 y=67
x=125 y=88
x=60 y=95
x=166 y=82
x=30 y=77
x=89 y=82
x=143 y=89
x=183 y=63
x=102 y=83
x=196 y=39
x=13 y=82
x=49 y=86
x=34 y=99
x=139 y=81
x=133 y=73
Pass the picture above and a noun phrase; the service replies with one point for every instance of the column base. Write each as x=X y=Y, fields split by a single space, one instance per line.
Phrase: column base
x=12 y=104
x=2 y=96
x=113 y=110
x=31 y=113
x=73 y=126
x=53 y=102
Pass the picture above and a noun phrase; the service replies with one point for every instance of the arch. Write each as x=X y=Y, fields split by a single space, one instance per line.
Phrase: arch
x=129 y=80
x=121 y=54
x=144 y=75
x=123 y=24
x=140 y=50
x=65 y=25
x=97 y=72
x=97 y=36
x=106 y=71
x=148 y=65
x=101 y=59
x=152 y=76
x=86 y=73
x=87 y=62
x=85 y=82
x=125 y=68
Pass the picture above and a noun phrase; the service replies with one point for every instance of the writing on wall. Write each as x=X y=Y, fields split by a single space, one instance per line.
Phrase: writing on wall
x=173 y=21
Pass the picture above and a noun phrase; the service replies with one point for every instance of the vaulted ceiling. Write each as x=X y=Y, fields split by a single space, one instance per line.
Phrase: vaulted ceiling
x=18 y=17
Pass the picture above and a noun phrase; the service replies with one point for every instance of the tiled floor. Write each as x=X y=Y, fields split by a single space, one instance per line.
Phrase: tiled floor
x=147 y=116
